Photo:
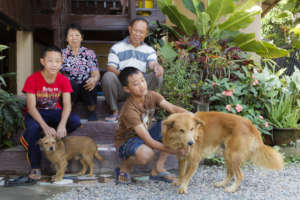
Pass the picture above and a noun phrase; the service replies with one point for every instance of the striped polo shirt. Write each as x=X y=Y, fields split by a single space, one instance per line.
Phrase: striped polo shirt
x=123 y=54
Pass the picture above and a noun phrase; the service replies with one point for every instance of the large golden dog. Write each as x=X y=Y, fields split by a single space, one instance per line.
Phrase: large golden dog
x=203 y=132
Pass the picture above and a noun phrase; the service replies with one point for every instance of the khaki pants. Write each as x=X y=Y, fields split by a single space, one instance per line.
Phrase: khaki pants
x=114 y=92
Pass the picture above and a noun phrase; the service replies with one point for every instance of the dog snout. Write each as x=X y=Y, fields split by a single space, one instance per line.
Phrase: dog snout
x=190 y=143
x=51 y=149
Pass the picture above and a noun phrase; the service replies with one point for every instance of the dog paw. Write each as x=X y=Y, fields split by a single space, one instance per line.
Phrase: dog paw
x=176 y=182
x=81 y=173
x=182 y=190
x=230 y=189
x=220 y=184
x=56 y=179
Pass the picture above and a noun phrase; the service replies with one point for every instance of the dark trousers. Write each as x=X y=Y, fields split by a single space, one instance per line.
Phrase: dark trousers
x=33 y=132
x=80 y=94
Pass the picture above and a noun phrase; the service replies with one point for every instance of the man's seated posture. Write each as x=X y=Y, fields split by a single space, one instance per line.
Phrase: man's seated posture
x=132 y=51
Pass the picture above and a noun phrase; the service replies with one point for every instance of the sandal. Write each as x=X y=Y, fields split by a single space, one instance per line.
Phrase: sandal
x=127 y=177
x=19 y=181
x=35 y=174
x=162 y=176
x=113 y=118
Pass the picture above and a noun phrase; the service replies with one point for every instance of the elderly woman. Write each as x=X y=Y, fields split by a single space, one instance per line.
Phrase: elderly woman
x=80 y=65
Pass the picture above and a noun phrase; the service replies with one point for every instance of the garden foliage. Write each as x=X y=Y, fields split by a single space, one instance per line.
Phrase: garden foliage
x=11 y=112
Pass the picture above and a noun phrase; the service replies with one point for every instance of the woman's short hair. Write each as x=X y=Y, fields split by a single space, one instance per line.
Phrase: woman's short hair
x=73 y=26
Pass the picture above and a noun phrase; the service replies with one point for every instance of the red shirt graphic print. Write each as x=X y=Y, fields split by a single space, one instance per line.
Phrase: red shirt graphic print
x=47 y=95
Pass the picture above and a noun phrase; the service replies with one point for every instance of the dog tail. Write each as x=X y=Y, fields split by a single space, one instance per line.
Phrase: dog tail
x=266 y=156
x=98 y=156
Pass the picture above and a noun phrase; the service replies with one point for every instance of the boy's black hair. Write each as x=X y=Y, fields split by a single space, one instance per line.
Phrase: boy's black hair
x=73 y=26
x=125 y=73
x=131 y=23
x=50 y=48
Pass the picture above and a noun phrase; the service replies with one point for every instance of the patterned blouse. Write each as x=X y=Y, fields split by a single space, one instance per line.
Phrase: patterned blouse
x=79 y=68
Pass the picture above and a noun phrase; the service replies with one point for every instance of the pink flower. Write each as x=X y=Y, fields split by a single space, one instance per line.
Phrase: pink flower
x=213 y=84
x=266 y=124
x=227 y=93
x=238 y=108
x=228 y=107
x=255 y=82
x=261 y=117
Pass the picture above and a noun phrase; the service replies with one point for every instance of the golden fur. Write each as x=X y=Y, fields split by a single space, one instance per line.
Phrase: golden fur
x=203 y=132
x=59 y=152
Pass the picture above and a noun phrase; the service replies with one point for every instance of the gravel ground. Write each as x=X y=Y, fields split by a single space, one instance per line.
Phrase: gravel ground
x=257 y=184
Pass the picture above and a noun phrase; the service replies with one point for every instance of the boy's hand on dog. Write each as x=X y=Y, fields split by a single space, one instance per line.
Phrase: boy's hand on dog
x=49 y=131
x=61 y=131
x=179 y=152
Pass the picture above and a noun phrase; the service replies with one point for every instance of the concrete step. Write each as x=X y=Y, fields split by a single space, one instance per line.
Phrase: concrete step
x=13 y=162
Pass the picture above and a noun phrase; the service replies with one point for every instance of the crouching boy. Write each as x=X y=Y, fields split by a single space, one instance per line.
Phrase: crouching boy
x=134 y=138
x=45 y=115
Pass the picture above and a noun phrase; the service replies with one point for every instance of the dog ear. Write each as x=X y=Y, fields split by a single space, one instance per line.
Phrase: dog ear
x=199 y=122
x=168 y=123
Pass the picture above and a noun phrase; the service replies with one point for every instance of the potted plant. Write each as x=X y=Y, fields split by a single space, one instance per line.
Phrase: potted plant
x=283 y=111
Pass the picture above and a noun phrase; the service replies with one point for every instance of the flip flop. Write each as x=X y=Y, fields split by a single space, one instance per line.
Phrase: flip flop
x=113 y=118
x=118 y=173
x=162 y=177
x=35 y=174
x=20 y=181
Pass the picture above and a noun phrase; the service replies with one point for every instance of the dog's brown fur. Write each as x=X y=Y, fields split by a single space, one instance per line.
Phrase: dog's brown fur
x=59 y=152
x=202 y=133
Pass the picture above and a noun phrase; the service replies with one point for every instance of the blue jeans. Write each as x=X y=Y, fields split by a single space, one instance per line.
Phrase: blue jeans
x=33 y=132
x=130 y=147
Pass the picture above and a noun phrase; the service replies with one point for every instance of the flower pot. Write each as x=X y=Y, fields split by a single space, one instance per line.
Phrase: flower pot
x=200 y=106
x=284 y=136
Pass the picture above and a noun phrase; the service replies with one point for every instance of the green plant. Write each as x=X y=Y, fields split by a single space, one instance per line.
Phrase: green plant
x=11 y=117
x=283 y=110
x=180 y=80
x=207 y=25
x=241 y=94
x=11 y=108
x=292 y=159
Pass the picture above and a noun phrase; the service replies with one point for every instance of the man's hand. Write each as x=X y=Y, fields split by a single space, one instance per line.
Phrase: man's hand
x=158 y=70
x=90 y=84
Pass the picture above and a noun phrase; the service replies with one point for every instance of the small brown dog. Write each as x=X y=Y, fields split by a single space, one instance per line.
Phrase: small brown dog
x=202 y=133
x=59 y=152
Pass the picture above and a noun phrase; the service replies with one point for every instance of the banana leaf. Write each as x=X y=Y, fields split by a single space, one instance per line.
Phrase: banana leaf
x=195 y=6
x=240 y=20
x=248 y=4
x=248 y=42
x=218 y=8
x=202 y=24
x=180 y=20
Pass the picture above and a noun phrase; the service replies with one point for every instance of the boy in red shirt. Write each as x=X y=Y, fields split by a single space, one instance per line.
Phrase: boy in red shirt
x=45 y=115
x=134 y=137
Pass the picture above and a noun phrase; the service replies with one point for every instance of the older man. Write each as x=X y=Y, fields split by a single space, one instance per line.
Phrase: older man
x=130 y=52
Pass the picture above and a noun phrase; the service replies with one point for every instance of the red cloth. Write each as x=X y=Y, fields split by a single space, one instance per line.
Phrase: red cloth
x=47 y=95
